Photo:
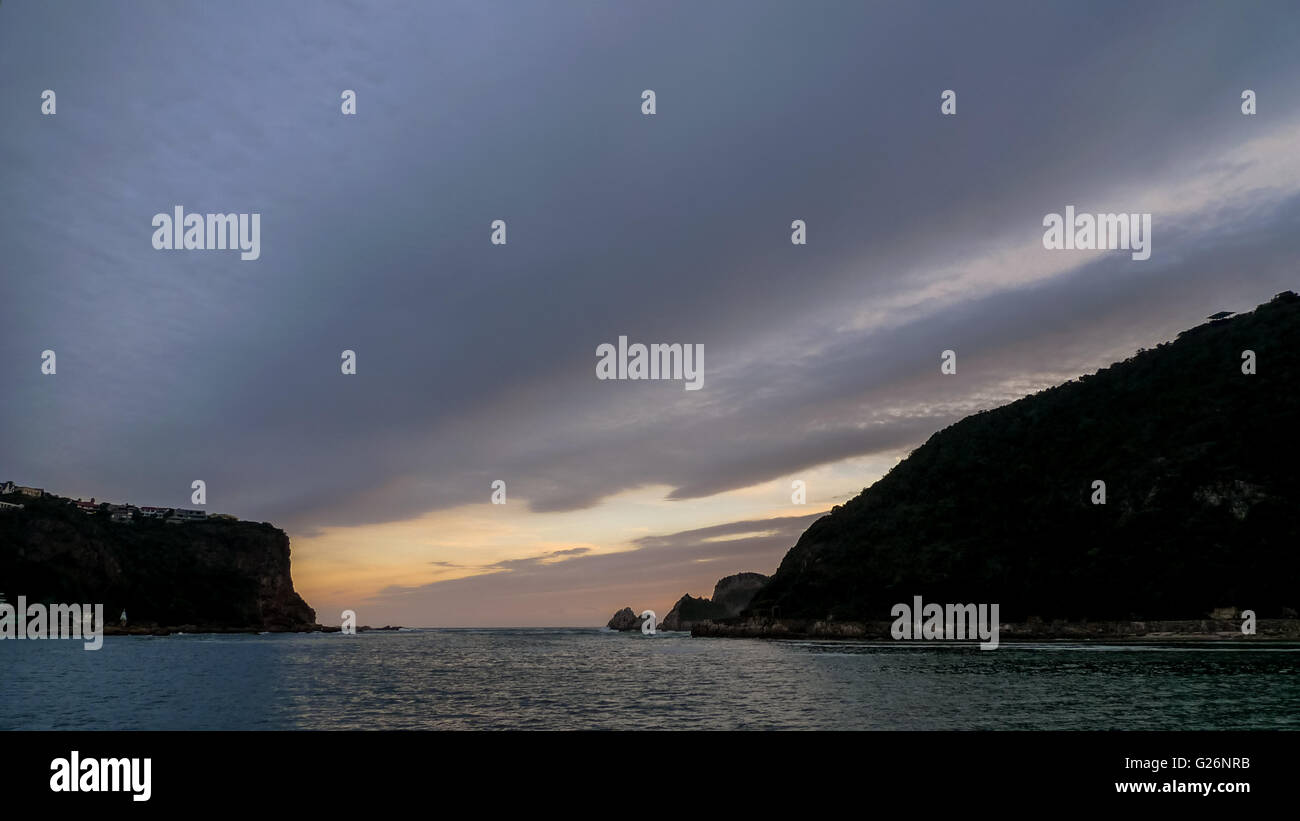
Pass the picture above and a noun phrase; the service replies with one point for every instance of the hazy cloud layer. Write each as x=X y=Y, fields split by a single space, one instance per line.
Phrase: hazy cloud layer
x=477 y=362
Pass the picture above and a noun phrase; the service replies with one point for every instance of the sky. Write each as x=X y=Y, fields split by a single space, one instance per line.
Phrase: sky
x=476 y=362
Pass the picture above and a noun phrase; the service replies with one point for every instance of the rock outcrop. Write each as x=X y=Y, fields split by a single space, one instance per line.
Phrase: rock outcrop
x=734 y=592
x=731 y=595
x=625 y=620
x=212 y=575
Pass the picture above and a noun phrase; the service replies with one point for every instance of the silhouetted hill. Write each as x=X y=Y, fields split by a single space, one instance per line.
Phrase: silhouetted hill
x=1202 y=497
x=205 y=574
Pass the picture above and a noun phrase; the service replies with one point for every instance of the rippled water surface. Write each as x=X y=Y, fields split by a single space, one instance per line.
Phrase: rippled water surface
x=592 y=679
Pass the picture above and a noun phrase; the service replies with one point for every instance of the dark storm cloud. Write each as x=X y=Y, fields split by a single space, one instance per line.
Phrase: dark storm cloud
x=477 y=362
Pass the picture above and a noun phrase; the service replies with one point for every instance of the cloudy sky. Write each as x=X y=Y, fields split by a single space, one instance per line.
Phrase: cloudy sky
x=476 y=362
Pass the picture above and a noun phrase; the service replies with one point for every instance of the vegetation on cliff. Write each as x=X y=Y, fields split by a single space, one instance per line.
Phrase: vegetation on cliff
x=1201 y=508
x=205 y=574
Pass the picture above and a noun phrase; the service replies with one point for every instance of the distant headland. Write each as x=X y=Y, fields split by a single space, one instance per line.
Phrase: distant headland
x=167 y=569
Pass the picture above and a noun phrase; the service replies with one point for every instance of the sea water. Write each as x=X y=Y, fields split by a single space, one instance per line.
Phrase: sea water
x=596 y=679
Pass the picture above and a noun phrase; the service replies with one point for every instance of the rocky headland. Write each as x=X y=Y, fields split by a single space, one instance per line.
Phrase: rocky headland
x=214 y=575
x=1142 y=502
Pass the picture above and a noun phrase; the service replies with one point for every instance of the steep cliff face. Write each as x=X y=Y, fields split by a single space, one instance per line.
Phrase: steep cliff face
x=1201 y=511
x=207 y=574
x=730 y=597
x=734 y=592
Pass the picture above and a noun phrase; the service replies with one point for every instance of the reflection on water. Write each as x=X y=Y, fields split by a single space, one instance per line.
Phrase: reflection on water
x=584 y=679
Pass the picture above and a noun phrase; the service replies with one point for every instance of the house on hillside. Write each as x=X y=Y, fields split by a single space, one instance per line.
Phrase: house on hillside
x=10 y=506
x=7 y=487
x=31 y=491
x=155 y=512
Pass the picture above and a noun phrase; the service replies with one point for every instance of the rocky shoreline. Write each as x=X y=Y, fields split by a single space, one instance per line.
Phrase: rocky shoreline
x=1099 y=631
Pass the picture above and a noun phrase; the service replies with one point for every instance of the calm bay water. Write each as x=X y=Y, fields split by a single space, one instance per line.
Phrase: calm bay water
x=593 y=679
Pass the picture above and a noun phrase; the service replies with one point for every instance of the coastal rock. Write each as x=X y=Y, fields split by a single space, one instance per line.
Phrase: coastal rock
x=731 y=595
x=686 y=612
x=625 y=620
